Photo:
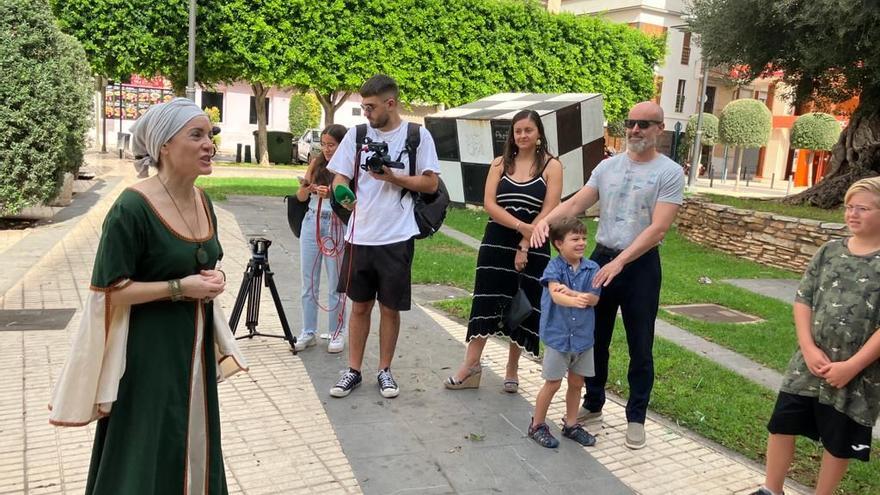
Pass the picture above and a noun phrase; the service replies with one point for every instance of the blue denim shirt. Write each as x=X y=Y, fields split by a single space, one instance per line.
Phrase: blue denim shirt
x=564 y=328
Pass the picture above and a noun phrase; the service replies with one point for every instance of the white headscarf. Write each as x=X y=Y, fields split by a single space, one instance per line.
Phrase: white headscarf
x=156 y=127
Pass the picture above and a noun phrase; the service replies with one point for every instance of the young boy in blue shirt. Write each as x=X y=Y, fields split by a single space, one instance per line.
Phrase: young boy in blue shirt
x=567 y=328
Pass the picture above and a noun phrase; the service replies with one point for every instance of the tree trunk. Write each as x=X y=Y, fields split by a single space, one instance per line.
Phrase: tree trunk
x=739 y=162
x=855 y=156
x=260 y=92
x=330 y=103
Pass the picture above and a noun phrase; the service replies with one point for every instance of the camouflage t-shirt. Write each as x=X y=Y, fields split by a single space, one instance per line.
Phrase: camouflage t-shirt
x=843 y=291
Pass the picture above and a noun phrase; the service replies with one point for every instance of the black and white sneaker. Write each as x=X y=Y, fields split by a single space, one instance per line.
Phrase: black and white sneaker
x=347 y=382
x=387 y=386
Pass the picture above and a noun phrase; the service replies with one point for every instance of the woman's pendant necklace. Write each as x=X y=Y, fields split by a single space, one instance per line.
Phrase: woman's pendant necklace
x=201 y=253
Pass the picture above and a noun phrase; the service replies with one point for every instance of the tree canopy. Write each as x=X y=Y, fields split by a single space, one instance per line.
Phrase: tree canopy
x=828 y=51
x=815 y=131
x=745 y=122
x=825 y=49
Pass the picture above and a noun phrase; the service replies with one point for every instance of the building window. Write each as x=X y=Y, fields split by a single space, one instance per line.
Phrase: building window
x=658 y=88
x=356 y=111
x=761 y=95
x=709 y=105
x=679 y=96
x=686 y=49
x=253 y=118
x=213 y=99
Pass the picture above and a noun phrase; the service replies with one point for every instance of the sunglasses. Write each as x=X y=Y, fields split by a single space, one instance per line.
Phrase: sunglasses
x=643 y=124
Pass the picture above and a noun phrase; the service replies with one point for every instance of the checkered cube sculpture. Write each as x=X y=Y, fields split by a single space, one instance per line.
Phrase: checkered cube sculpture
x=469 y=137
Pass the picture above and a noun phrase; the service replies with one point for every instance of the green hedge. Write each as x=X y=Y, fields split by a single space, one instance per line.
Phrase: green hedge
x=45 y=104
x=305 y=113
x=815 y=131
x=745 y=122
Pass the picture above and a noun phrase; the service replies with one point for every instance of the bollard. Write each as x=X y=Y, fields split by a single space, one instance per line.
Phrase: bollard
x=247 y=153
x=238 y=153
x=772 y=179
x=788 y=186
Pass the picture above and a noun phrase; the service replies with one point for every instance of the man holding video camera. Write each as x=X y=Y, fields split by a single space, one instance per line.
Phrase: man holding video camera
x=379 y=248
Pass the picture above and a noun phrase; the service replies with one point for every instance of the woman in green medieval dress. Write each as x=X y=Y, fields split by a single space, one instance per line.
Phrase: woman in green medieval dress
x=151 y=345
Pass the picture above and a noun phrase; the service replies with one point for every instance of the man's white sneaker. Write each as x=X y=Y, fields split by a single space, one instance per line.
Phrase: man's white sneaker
x=336 y=345
x=305 y=340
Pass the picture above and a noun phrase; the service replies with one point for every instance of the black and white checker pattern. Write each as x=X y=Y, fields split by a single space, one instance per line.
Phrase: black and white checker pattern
x=470 y=136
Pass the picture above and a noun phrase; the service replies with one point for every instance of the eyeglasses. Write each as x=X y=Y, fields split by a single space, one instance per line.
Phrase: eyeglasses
x=369 y=107
x=643 y=124
x=861 y=210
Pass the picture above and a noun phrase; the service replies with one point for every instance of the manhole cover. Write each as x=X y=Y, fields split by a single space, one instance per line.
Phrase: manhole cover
x=35 y=319
x=712 y=313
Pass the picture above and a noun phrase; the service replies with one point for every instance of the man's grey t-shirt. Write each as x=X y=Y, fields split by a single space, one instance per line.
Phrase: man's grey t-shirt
x=628 y=193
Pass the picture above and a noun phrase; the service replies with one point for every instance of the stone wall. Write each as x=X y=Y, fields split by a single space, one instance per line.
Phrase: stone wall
x=768 y=238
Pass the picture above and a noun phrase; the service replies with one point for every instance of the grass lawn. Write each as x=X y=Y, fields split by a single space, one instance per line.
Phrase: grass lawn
x=770 y=342
x=275 y=166
x=773 y=206
x=218 y=188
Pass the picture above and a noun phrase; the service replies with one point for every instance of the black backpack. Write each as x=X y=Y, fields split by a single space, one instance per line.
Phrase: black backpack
x=429 y=208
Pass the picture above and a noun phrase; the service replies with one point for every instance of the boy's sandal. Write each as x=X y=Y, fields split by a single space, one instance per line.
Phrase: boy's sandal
x=511 y=386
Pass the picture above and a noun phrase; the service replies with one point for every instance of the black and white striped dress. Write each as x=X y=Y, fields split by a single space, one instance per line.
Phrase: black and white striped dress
x=496 y=279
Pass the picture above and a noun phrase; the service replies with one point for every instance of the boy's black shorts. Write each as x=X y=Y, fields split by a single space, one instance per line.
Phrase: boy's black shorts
x=378 y=272
x=840 y=435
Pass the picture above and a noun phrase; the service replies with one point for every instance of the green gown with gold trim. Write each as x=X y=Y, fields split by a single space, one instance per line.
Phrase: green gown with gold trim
x=163 y=433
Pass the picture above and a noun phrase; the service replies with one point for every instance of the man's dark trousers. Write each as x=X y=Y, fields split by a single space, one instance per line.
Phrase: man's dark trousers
x=636 y=291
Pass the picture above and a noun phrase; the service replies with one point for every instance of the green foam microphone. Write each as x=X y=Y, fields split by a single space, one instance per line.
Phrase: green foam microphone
x=343 y=194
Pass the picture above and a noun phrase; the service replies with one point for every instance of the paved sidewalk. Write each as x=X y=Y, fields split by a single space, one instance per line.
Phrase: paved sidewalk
x=281 y=431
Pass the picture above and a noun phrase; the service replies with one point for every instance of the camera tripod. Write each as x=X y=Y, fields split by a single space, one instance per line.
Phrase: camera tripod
x=251 y=287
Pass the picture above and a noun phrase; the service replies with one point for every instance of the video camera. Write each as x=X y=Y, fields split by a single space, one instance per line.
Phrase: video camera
x=379 y=158
x=260 y=248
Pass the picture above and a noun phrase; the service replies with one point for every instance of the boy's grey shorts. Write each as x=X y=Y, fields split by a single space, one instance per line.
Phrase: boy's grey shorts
x=557 y=363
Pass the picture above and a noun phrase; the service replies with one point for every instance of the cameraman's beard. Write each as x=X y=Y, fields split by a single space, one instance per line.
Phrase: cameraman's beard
x=379 y=123
x=640 y=145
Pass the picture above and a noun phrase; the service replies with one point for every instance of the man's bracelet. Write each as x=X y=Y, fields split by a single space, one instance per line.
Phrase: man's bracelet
x=224 y=275
x=175 y=289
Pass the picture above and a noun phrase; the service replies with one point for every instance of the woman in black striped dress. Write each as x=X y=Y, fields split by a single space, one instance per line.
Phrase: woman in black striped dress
x=522 y=187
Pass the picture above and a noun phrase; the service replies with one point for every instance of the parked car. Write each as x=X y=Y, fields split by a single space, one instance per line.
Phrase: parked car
x=307 y=145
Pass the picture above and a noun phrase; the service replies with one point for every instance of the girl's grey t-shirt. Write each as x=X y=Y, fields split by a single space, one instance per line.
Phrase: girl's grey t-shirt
x=628 y=193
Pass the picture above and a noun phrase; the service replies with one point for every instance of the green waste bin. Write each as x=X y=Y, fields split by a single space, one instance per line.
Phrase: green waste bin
x=280 y=144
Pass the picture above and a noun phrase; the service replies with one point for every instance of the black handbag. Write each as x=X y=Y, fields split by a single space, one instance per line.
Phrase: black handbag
x=296 y=212
x=517 y=310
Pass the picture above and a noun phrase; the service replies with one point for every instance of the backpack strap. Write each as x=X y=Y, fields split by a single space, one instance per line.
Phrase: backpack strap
x=360 y=135
x=413 y=140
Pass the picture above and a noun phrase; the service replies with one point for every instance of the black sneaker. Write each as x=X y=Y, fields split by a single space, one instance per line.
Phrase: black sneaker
x=387 y=386
x=763 y=491
x=347 y=382
x=541 y=434
x=578 y=434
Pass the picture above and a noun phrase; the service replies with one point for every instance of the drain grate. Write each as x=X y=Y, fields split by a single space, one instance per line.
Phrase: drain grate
x=19 y=320
x=712 y=313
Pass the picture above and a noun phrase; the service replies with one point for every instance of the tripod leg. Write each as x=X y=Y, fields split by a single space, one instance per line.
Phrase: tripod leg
x=270 y=281
x=253 y=308
x=243 y=292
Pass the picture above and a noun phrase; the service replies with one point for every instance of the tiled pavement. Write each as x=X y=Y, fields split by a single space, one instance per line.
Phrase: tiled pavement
x=277 y=437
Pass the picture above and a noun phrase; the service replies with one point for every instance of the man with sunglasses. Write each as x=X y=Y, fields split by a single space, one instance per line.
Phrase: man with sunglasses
x=379 y=245
x=639 y=194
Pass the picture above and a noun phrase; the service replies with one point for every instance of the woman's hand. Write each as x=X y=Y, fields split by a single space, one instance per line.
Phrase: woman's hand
x=526 y=230
x=520 y=259
x=321 y=191
x=207 y=284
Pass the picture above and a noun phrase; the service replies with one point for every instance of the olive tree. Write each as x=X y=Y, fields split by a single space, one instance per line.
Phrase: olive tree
x=744 y=123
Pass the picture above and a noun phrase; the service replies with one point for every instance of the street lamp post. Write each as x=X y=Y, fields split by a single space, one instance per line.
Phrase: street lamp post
x=191 y=63
x=698 y=135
